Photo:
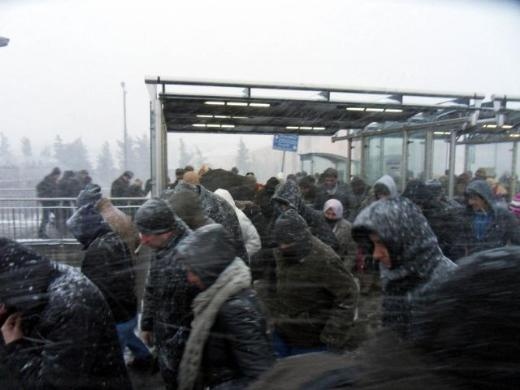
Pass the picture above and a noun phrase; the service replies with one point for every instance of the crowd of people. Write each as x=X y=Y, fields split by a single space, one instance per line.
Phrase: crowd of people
x=361 y=286
x=58 y=191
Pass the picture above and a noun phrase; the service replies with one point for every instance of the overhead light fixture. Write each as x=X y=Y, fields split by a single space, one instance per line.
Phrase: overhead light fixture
x=228 y=126
x=318 y=128
x=204 y=116
x=214 y=103
x=490 y=126
x=371 y=109
x=237 y=104
x=292 y=127
x=259 y=105
x=441 y=133
x=199 y=125
x=514 y=135
x=212 y=125
x=221 y=116
x=239 y=117
x=393 y=110
x=507 y=126
x=355 y=109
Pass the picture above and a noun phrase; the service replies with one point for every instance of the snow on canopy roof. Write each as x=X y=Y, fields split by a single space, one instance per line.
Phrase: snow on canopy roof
x=202 y=106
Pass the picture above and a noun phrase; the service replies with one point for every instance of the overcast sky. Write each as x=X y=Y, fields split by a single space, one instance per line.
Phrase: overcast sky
x=62 y=70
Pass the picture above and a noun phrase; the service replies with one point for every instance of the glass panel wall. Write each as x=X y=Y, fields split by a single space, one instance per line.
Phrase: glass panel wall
x=416 y=155
x=383 y=156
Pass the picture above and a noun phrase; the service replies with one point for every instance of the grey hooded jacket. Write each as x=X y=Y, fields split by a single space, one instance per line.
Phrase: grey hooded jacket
x=418 y=263
x=503 y=228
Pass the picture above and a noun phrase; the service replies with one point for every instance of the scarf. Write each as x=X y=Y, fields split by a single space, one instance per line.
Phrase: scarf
x=206 y=306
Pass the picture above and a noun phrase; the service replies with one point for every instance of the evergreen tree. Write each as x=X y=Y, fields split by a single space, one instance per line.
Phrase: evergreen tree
x=199 y=158
x=105 y=170
x=59 y=149
x=141 y=157
x=26 y=148
x=243 y=161
x=6 y=158
x=184 y=156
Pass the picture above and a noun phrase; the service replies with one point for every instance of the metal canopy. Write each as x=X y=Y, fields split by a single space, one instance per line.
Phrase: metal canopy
x=197 y=106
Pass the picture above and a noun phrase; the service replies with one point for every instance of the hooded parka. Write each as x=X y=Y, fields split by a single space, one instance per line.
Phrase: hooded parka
x=70 y=339
x=216 y=209
x=236 y=350
x=418 y=263
x=502 y=229
x=106 y=262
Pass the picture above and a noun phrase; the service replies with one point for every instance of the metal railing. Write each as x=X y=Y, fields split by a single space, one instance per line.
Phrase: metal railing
x=45 y=218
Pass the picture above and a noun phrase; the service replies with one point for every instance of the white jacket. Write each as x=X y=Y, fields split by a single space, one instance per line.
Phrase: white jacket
x=249 y=233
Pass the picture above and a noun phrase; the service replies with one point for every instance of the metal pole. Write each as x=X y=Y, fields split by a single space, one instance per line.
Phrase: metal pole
x=283 y=161
x=125 y=151
x=428 y=154
x=349 y=161
x=451 y=179
x=512 y=192
x=404 y=161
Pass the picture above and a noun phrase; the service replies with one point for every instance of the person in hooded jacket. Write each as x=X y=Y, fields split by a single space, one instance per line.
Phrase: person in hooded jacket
x=108 y=264
x=486 y=225
x=332 y=188
x=228 y=345
x=410 y=260
x=58 y=331
x=167 y=314
x=288 y=196
x=333 y=211
x=215 y=208
x=249 y=233
x=315 y=304
x=468 y=328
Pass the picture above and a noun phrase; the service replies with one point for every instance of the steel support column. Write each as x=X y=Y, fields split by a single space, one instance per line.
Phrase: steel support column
x=513 y=170
x=428 y=155
x=451 y=179
x=349 y=161
x=158 y=142
x=404 y=161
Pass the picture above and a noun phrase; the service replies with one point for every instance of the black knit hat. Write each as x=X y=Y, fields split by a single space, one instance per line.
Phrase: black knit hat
x=207 y=252
x=290 y=227
x=155 y=217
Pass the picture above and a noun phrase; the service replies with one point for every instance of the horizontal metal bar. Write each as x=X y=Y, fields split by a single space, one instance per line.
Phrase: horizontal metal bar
x=312 y=87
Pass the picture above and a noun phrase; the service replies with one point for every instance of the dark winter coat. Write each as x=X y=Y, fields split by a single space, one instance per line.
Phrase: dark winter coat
x=216 y=209
x=167 y=307
x=47 y=188
x=316 y=298
x=106 y=262
x=445 y=218
x=70 y=340
x=469 y=340
x=418 y=263
x=343 y=193
x=69 y=186
x=237 y=349
x=290 y=195
x=120 y=188
x=503 y=229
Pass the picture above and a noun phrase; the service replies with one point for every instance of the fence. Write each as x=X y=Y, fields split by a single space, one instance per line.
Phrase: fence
x=32 y=218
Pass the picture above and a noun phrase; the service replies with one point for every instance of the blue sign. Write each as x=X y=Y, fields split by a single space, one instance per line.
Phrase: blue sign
x=285 y=142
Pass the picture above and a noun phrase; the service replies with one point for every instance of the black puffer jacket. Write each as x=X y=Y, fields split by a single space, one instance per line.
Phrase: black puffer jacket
x=290 y=195
x=502 y=230
x=167 y=306
x=216 y=209
x=107 y=261
x=237 y=349
x=418 y=263
x=70 y=340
